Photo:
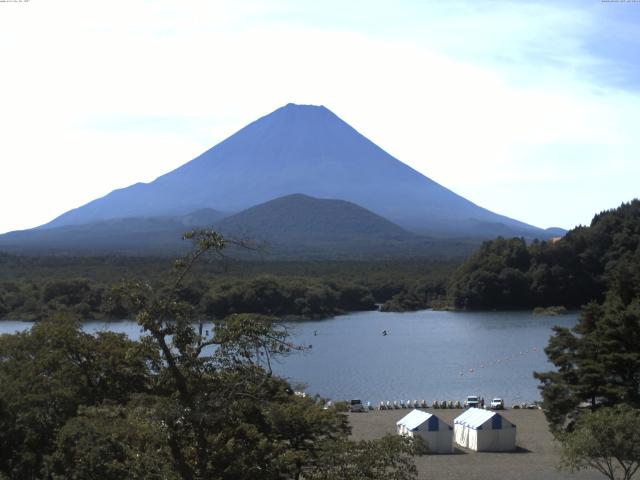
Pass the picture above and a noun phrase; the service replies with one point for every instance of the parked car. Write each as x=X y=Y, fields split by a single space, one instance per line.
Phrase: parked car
x=472 y=401
x=356 y=406
x=497 y=404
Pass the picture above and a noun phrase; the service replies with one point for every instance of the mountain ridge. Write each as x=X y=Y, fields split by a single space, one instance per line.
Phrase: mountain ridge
x=296 y=226
x=116 y=235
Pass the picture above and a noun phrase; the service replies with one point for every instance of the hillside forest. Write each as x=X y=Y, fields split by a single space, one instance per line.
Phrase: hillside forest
x=501 y=274
x=573 y=271
x=31 y=288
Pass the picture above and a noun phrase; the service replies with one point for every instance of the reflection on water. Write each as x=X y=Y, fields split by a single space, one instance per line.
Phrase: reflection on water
x=426 y=355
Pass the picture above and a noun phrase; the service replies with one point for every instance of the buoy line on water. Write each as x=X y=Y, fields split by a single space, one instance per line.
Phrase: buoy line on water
x=499 y=361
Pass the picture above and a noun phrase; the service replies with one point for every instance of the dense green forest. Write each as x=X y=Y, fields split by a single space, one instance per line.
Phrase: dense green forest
x=592 y=397
x=501 y=274
x=32 y=287
x=577 y=269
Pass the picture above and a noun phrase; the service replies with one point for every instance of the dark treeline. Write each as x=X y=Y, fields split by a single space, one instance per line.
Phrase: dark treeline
x=573 y=271
x=31 y=287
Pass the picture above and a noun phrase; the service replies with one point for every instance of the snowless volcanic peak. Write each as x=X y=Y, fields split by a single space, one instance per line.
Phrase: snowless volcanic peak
x=301 y=149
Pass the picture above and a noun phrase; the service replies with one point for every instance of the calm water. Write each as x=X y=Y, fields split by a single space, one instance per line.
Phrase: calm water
x=426 y=355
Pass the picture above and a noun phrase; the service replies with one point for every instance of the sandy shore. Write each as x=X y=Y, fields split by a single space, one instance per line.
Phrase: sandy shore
x=536 y=458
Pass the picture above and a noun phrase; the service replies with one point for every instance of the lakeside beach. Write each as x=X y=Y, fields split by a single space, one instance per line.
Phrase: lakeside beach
x=536 y=458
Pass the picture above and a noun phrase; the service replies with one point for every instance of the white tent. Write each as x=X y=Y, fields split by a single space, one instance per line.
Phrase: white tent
x=436 y=433
x=484 y=431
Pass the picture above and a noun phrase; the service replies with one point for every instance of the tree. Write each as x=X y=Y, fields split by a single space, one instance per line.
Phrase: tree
x=228 y=417
x=300 y=424
x=388 y=458
x=180 y=403
x=494 y=276
x=51 y=370
x=111 y=442
x=598 y=362
x=607 y=440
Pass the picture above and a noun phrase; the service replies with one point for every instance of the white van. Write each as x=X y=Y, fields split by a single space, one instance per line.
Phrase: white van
x=356 y=406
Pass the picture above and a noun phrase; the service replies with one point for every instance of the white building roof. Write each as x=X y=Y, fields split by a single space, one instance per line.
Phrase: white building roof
x=414 y=419
x=474 y=417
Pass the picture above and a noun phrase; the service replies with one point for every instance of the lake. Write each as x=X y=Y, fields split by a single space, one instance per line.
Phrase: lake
x=425 y=355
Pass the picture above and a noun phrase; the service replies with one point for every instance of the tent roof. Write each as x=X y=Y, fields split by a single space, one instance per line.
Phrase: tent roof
x=414 y=419
x=475 y=417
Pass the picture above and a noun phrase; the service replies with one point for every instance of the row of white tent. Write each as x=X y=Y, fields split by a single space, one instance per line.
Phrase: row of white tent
x=476 y=429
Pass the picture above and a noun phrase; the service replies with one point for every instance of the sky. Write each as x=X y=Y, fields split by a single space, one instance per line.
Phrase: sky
x=528 y=108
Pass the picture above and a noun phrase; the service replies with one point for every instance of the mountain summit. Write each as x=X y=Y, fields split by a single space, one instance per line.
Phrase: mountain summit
x=301 y=149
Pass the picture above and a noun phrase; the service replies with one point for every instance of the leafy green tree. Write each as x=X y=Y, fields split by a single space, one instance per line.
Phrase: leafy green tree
x=388 y=458
x=494 y=277
x=4 y=309
x=111 y=441
x=48 y=372
x=180 y=403
x=598 y=362
x=421 y=294
x=299 y=424
x=607 y=440
x=227 y=416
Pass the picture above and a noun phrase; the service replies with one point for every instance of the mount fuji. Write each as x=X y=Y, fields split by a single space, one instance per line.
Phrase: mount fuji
x=300 y=150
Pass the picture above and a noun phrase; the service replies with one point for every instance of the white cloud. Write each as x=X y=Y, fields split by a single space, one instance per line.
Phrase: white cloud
x=101 y=95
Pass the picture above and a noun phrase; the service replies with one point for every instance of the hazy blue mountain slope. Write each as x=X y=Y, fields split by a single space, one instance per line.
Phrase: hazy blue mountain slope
x=292 y=227
x=125 y=235
x=301 y=149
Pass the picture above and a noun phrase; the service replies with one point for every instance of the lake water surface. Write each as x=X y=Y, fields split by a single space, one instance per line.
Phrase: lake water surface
x=426 y=354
